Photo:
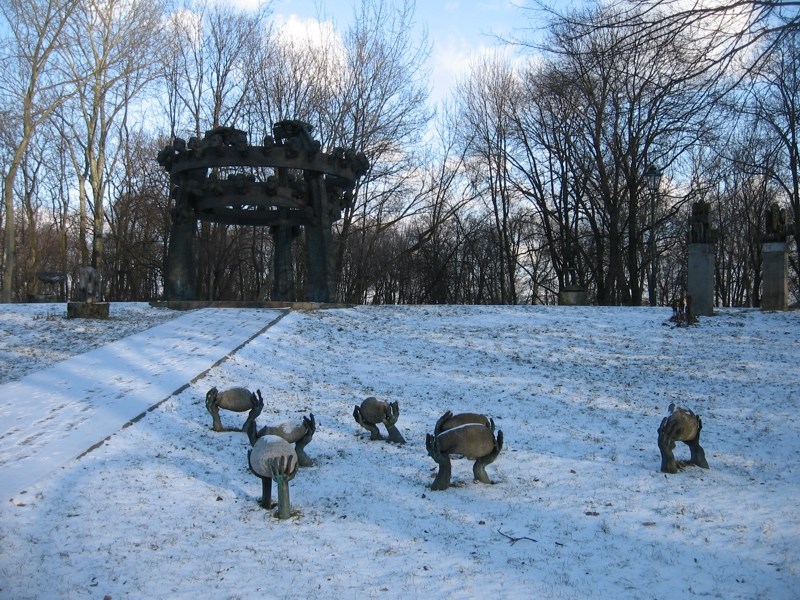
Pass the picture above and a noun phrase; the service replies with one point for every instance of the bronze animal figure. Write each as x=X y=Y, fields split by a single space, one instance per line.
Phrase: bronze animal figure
x=468 y=434
x=681 y=425
x=373 y=411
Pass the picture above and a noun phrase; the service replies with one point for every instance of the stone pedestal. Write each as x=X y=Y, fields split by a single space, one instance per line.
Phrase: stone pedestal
x=700 y=284
x=774 y=276
x=572 y=295
x=87 y=310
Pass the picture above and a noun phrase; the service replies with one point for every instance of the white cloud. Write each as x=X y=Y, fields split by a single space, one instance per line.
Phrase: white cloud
x=306 y=30
x=242 y=4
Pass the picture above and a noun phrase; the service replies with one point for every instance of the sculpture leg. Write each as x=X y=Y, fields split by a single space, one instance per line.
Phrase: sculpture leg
x=698 y=457
x=300 y=446
x=479 y=468
x=266 y=493
x=389 y=422
x=665 y=445
x=252 y=435
x=217 y=423
x=283 y=471
x=374 y=434
x=479 y=471
x=442 y=480
x=250 y=422
x=284 y=507
x=303 y=459
x=395 y=435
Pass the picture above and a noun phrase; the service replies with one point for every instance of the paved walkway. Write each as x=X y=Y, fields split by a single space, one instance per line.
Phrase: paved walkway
x=53 y=416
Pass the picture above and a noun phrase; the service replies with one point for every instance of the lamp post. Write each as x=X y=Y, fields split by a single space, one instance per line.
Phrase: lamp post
x=653 y=179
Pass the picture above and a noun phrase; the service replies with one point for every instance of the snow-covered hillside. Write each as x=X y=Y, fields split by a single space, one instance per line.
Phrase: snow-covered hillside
x=166 y=508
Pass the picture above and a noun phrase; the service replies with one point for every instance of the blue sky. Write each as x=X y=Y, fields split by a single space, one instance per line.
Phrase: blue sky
x=459 y=30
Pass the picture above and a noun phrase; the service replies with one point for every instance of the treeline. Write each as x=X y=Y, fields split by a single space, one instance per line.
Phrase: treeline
x=529 y=177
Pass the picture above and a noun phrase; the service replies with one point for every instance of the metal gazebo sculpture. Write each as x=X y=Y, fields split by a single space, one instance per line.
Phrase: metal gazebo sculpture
x=286 y=184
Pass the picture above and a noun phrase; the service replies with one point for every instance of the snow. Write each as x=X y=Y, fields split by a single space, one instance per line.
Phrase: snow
x=166 y=507
x=103 y=389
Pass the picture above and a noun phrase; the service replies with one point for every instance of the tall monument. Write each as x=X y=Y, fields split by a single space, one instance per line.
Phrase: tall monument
x=702 y=239
x=286 y=184
x=775 y=261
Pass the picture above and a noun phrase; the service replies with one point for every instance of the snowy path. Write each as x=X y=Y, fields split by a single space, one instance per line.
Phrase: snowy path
x=57 y=414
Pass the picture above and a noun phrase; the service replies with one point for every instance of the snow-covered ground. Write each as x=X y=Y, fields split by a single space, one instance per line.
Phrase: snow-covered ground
x=34 y=336
x=51 y=415
x=167 y=508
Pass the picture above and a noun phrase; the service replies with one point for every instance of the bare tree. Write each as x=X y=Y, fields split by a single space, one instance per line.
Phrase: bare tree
x=136 y=222
x=379 y=108
x=487 y=97
x=774 y=103
x=111 y=55
x=628 y=106
x=208 y=64
x=32 y=89
x=546 y=116
x=293 y=78
x=725 y=32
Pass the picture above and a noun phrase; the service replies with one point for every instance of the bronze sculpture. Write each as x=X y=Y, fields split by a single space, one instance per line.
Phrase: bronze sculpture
x=287 y=184
x=373 y=411
x=681 y=425
x=468 y=434
x=237 y=399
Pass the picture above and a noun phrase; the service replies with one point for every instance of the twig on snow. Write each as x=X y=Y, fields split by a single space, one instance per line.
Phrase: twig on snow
x=514 y=540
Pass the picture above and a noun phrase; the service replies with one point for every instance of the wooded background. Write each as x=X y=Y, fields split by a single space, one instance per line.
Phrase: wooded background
x=529 y=176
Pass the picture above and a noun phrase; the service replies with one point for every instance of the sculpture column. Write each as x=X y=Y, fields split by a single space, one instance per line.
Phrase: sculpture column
x=181 y=273
x=700 y=276
x=319 y=244
x=775 y=261
x=774 y=276
x=700 y=279
x=283 y=273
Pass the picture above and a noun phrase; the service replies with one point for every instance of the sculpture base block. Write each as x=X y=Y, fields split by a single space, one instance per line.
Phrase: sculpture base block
x=572 y=296
x=700 y=276
x=774 y=276
x=87 y=310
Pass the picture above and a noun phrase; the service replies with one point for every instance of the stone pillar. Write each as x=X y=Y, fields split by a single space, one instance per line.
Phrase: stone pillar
x=700 y=284
x=774 y=276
